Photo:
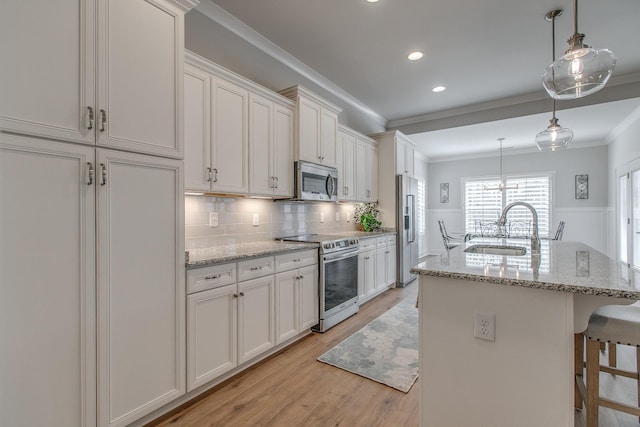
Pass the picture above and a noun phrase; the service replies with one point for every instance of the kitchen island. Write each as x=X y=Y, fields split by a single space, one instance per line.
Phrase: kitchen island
x=524 y=377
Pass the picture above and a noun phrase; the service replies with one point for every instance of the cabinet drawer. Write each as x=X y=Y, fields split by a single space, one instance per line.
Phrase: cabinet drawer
x=295 y=260
x=254 y=268
x=381 y=241
x=391 y=239
x=366 y=244
x=201 y=279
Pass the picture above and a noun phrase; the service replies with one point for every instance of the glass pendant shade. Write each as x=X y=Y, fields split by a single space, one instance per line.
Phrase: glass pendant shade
x=553 y=138
x=579 y=72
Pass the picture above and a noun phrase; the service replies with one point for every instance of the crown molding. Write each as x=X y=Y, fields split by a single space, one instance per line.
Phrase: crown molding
x=242 y=30
x=184 y=5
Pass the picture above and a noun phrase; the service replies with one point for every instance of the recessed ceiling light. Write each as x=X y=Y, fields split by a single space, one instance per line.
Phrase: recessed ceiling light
x=414 y=56
x=372 y=1
x=438 y=89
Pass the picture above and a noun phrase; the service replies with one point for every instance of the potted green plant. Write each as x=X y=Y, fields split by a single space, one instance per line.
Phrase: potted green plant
x=366 y=214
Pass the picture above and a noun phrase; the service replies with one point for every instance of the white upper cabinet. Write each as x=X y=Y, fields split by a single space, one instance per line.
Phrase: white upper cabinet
x=366 y=171
x=316 y=126
x=270 y=147
x=100 y=79
x=405 y=151
x=346 y=163
x=238 y=135
x=229 y=137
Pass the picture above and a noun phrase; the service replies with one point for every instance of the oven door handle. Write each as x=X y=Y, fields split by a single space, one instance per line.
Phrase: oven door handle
x=340 y=256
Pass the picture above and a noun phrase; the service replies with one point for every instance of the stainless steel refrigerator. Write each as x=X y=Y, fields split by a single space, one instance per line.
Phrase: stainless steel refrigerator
x=406 y=224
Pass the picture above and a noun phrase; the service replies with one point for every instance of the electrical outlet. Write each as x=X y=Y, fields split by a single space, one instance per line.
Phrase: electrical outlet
x=256 y=219
x=348 y=216
x=321 y=216
x=337 y=216
x=484 y=326
x=213 y=219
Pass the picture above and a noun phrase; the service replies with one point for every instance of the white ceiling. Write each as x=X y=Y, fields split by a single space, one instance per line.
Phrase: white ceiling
x=490 y=55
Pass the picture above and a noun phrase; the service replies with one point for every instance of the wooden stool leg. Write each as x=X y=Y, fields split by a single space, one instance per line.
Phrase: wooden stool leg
x=578 y=365
x=593 y=382
x=613 y=360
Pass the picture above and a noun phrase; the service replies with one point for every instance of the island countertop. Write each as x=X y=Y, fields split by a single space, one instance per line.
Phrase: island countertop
x=564 y=266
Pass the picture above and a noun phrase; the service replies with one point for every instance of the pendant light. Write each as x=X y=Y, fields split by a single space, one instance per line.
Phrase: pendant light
x=581 y=71
x=554 y=137
x=501 y=185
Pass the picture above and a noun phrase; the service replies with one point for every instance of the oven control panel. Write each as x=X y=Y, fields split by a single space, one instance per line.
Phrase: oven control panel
x=339 y=245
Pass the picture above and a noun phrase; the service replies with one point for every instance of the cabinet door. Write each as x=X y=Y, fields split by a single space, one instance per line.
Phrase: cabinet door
x=212 y=343
x=140 y=76
x=328 y=132
x=197 y=129
x=390 y=265
x=400 y=157
x=381 y=268
x=282 y=152
x=309 y=131
x=342 y=189
x=47 y=74
x=261 y=177
x=286 y=305
x=47 y=284
x=371 y=177
x=369 y=267
x=409 y=154
x=229 y=142
x=141 y=289
x=308 y=302
x=256 y=317
x=349 y=165
x=362 y=164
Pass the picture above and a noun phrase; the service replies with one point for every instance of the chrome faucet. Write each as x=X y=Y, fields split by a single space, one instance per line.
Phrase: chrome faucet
x=535 y=238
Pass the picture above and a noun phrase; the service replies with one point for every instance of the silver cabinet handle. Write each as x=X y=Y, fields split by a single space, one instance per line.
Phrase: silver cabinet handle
x=235 y=295
x=209 y=174
x=241 y=294
x=104 y=174
x=273 y=182
x=90 y=118
x=256 y=268
x=91 y=173
x=103 y=120
x=215 y=174
x=215 y=276
x=277 y=182
x=302 y=277
x=297 y=260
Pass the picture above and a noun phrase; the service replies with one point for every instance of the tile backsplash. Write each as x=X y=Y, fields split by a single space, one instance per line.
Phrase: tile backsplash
x=275 y=219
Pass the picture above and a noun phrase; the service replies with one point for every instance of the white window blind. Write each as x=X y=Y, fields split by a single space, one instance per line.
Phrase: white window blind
x=486 y=205
x=420 y=211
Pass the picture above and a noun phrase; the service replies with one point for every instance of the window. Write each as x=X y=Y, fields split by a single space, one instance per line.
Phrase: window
x=487 y=205
x=421 y=214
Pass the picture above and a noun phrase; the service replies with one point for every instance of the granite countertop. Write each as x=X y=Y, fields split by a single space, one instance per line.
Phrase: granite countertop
x=364 y=234
x=241 y=251
x=564 y=266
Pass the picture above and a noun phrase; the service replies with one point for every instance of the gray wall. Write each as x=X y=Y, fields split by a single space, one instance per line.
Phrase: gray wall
x=566 y=164
x=214 y=42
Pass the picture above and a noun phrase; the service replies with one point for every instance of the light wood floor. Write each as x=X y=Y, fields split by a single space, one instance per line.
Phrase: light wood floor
x=293 y=389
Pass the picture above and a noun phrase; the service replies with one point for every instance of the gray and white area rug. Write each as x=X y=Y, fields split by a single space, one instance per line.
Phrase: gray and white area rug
x=385 y=350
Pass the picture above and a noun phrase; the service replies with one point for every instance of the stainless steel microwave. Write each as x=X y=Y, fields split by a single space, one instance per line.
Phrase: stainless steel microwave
x=315 y=182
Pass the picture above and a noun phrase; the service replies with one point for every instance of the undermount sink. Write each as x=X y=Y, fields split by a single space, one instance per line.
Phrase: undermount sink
x=497 y=250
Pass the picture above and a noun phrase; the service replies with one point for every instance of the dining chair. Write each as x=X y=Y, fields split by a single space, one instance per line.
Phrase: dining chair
x=559 y=231
x=449 y=242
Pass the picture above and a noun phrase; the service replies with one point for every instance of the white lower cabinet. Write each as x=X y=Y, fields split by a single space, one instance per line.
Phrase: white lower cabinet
x=211 y=335
x=141 y=287
x=366 y=269
x=228 y=323
x=296 y=301
x=58 y=200
x=256 y=317
x=47 y=284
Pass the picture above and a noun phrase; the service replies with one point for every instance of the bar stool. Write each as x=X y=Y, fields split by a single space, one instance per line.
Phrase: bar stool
x=612 y=324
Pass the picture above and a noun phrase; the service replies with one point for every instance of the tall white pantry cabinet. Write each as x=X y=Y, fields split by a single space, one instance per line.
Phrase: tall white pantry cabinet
x=92 y=298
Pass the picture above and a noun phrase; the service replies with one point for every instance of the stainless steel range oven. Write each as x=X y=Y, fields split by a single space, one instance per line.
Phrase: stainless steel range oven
x=338 y=287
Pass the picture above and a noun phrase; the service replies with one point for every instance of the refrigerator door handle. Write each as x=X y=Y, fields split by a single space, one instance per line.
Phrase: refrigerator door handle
x=412 y=213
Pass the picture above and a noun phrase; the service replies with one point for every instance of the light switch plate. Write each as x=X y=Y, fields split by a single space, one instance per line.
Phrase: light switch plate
x=256 y=219
x=321 y=216
x=337 y=216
